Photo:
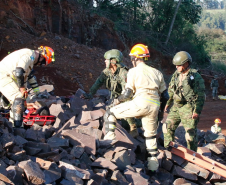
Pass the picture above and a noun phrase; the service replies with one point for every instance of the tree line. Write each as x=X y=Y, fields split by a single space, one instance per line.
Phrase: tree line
x=168 y=26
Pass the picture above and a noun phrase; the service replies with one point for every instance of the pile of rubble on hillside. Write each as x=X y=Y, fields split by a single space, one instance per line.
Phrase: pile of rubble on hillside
x=72 y=151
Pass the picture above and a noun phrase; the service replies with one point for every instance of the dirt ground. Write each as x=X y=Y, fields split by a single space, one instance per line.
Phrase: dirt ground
x=211 y=111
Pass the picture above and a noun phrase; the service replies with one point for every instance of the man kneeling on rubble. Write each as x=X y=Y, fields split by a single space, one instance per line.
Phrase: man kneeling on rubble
x=15 y=70
x=143 y=89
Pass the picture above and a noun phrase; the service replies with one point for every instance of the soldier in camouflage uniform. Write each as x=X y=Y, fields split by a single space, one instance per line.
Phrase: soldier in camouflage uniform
x=214 y=86
x=114 y=78
x=187 y=93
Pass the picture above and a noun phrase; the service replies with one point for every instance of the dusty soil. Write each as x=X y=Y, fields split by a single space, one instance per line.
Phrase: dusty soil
x=211 y=111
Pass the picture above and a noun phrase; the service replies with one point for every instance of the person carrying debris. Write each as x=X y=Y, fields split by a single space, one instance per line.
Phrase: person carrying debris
x=114 y=78
x=187 y=93
x=141 y=99
x=214 y=86
x=216 y=129
x=15 y=70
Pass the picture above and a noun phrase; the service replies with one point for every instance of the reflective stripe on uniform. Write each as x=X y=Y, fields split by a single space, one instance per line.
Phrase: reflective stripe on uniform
x=36 y=89
x=152 y=101
x=111 y=126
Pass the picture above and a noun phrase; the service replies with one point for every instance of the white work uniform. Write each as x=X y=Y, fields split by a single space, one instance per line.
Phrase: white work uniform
x=147 y=84
x=23 y=58
x=216 y=129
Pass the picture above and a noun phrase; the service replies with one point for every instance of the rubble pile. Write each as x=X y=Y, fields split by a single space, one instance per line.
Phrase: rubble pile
x=72 y=151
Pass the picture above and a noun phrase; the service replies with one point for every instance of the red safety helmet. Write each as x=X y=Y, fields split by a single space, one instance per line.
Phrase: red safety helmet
x=47 y=53
x=140 y=51
x=217 y=120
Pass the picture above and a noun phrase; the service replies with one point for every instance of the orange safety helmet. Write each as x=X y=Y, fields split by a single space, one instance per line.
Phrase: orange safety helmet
x=140 y=51
x=47 y=53
x=217 y=120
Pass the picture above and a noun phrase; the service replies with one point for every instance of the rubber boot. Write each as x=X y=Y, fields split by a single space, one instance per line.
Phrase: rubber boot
x=133 y=130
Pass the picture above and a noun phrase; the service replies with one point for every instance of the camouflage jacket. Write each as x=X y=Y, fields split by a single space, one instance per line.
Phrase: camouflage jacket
x=192 y=90
x=214 y=83
x=114 y=82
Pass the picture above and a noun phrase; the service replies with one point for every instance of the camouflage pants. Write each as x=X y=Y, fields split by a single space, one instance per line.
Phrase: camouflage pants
x=214 y=92
x=184 y=115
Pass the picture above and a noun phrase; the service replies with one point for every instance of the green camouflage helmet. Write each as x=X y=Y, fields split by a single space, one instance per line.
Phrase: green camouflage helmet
x=181 y=58
x=114 y=53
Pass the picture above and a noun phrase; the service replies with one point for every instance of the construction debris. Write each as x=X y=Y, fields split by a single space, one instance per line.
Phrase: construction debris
x=72 y=151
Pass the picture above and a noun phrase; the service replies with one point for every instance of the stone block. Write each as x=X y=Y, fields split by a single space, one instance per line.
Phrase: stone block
x=214 y=138
x=174 y=157
x=55 y=142
x=201 y=172
x=55 y=109
x=52 y=174
x=33 y=172
x=19 y=156
x=88 y=142
x=85 y=159
x=54 y=152
x=20 y=140
x=65 y=126
x=167 y=164
x=31 y=151
x=217 y=148
x=178 y=171
x=216 y=178
x=43 y=146
x=74 y=181
x=107 y=143
x=4 y=180
x=181 y=181
x=31 y=135
x=48 y=131
x=77 y=151
x=102 y=172
x=96 y=133
x=104 y=163
x=7 y=140
x=57 y=124
x=124 y=138
x=135 y=178
x=204 y=151
x=94 y=124
x=19 y=132
x=14 y=173
x=118 y=178
x=122 y=159
x=164 y=177
x=109 y=154
x=69 y=171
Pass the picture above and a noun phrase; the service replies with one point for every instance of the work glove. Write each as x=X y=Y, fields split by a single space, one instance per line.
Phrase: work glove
x=24 y=92
x=110 y=136
x=86 y=96
x=153 y=163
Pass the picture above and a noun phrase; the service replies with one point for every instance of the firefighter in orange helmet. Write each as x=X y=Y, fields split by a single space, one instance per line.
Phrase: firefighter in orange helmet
x=145 y=85
x=216 y=129
x=16 y=69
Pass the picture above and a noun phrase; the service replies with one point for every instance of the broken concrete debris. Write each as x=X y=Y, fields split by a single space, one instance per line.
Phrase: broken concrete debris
x=72 y=151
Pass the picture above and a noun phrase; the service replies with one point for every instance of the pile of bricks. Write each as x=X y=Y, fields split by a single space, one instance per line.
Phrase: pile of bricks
x=72 y=151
